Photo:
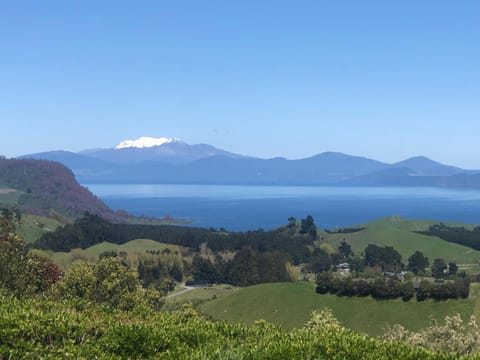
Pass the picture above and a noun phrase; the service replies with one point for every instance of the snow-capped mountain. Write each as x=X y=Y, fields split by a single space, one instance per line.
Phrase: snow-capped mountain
x=169 y=160
x=145 y=142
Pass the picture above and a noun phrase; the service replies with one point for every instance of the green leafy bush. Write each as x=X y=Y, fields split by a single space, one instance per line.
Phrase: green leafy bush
x=32 y=329
x=107 y=282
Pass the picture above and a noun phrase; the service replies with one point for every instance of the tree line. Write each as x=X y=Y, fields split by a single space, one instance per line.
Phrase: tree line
x=382 y=288
x=458 y=235
x=92 y=229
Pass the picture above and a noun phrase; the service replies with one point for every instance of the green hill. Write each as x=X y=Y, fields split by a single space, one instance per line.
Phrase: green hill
x=400 y=233
x=31 y=227
x=132 y=248
x=291 y=304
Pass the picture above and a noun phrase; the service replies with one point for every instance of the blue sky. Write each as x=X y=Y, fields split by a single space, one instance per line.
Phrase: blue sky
x=381 y=79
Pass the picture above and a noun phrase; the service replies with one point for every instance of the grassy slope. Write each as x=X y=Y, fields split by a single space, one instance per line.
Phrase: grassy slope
x=399 y=233
x=290 y=305
x=200 y=294
x=32 y=227
x=139 y=246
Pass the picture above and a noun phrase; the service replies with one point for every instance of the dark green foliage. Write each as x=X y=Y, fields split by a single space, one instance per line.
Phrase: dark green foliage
x=362 y=288
x=439 y=268
x=383 y=289
x=320 y=261
x=59 y=331
x=424 y=290
x=107 y=282
x=417 y=263
x=458 y=235
x=357 y=264
x=108 y=253
x=160 y=269
x=22 y=274
x=308 y=226
x=407 y=290
x=323 y=283
x=390 y=288
x=203 y=269
x=248 y=267
x=345 y=249
x=346 y=230
x=92 y=229
x=292 y=223
x=387 y=258
x=452 y=269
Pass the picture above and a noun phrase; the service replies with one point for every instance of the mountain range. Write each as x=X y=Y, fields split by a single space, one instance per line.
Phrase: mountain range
x=169 y=160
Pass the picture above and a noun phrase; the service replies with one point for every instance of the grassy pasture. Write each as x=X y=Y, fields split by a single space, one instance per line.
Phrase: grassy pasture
x=32 y=227
x=291 y=304
x=399 y=233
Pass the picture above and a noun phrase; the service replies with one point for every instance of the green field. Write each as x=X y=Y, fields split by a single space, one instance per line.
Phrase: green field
x=399 y=233
x=291 y=304
x=33 y=227
x=132 y=248
x=197 y=296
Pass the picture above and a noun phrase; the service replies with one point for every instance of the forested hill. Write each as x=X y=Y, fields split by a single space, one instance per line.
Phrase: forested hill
x=49 y=188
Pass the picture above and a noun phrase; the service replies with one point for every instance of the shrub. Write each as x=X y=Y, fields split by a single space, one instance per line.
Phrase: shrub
x=107 y=282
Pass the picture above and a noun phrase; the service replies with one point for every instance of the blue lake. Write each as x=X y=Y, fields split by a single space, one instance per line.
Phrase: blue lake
x=253 y=207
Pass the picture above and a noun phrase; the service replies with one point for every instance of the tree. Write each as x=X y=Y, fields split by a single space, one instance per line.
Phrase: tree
x=320 y=261
x=417 y=263
x=324 y=281
x=203 y=269
x=13 y=260
x=292 y=223
x=452 y=269
x=407 y=290
x=244 y=268
x=345 y=249
x=307 y=225
x=386 y=257
x=42 y=272
x=357 y=264
x=22 y=274
x=107 y=282
x=424 y=290
x=438 y=268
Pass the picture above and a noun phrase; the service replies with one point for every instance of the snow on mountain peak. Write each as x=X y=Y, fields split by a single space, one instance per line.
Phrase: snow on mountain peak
x=145 y=142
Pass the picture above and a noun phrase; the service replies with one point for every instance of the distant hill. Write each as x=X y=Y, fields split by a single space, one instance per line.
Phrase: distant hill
x=49 y=188
x=174 y=161
x=175 y=152
x=423 y=166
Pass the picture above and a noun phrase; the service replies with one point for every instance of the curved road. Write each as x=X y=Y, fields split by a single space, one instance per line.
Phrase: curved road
x=186 y=289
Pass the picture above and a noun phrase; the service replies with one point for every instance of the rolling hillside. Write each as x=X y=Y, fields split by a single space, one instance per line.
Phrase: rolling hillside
x=400 y=233
x=291 y=304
